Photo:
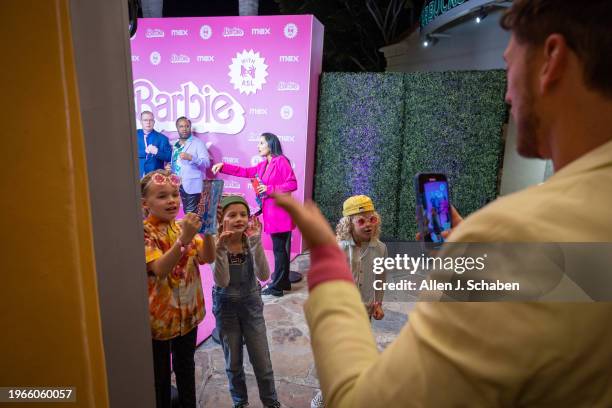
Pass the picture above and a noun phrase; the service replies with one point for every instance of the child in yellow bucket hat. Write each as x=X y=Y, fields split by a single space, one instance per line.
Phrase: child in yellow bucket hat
x=358 y=233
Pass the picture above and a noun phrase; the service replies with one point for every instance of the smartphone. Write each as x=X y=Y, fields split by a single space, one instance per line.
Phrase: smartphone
x=432 y=206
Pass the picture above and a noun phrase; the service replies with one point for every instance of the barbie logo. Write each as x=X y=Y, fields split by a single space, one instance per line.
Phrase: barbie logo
x=232 y=32
x=208 y=110
x=179 y=59
x=288 y=86
x=155 y=33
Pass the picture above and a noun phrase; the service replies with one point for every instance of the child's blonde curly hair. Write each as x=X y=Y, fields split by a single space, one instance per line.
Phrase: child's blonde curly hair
x=344 y=229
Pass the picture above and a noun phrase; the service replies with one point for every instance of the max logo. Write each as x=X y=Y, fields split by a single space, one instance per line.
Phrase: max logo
x=209 y=110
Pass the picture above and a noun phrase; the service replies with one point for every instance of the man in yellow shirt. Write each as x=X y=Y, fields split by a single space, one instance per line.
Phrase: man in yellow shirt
x=497 y=354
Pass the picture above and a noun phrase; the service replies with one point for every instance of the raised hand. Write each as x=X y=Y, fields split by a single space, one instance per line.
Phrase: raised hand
x=225 y=236
x=314 y=227
x=217 y=167
x=254 y=227
x=189 y=227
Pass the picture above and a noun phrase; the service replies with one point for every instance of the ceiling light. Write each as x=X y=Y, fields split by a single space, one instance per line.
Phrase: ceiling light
x=482 y=14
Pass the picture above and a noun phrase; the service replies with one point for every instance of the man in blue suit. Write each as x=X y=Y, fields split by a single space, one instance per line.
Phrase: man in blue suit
x=154 y=150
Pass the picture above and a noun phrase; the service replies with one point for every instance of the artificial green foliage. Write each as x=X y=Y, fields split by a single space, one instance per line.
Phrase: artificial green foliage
x=358 y=148
x=377 y=131
x=453 y=125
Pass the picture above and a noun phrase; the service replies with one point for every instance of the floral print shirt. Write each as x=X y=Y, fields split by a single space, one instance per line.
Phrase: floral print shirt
x=176 y=302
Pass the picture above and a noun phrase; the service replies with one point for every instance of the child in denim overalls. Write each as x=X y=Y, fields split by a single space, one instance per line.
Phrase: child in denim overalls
x=238 y=308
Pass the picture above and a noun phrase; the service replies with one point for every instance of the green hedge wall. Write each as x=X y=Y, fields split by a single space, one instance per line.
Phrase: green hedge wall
x=358 y=148
x=377 y=130
x=453 y=125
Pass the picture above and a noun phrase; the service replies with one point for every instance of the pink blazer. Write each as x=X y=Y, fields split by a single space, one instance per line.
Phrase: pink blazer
x=278 y=176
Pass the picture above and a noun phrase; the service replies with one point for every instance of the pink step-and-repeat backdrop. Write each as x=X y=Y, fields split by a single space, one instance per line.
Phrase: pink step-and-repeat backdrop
x=234 y=78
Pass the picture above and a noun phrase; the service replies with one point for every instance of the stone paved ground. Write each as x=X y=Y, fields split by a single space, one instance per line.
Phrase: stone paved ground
x=292 y=360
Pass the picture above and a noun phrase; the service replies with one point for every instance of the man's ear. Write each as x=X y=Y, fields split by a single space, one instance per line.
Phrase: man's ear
x=555 y=54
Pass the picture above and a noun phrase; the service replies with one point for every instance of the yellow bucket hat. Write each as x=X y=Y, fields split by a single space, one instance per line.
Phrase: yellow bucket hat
x=356 y=205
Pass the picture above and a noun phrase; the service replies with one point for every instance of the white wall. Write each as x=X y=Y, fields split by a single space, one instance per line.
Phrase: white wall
x=517 y=172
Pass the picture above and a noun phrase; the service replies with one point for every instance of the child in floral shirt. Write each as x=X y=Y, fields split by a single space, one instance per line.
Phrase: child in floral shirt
x=173 y=251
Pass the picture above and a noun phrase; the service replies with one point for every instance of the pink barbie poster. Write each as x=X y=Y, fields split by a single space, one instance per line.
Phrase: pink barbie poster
x=234 y=78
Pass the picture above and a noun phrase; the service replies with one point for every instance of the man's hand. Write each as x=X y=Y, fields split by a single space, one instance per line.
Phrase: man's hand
x=217 y=168
x=186 y=156
x=190 y=226
x=151 y=149
x=314 y=227
x=456 y=219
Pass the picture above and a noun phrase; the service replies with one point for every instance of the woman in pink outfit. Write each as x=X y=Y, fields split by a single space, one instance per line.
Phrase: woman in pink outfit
x=276 y=176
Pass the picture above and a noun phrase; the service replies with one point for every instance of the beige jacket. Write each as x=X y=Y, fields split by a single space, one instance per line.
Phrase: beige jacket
x=362 y=266
x=484 y=354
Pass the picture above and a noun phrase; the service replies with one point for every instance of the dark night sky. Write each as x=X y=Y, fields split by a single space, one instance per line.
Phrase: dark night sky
x=200 y=8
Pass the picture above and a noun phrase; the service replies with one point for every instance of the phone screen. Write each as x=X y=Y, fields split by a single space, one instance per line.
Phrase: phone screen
x=435 y=207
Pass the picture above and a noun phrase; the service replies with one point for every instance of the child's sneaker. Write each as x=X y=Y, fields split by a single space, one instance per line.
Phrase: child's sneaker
x=317 y=401
x=275 y=404
x=242 y=405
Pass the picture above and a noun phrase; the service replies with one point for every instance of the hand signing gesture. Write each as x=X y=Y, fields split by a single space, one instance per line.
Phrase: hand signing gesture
x=225 y=236
x=190 y=226
x=254 y=227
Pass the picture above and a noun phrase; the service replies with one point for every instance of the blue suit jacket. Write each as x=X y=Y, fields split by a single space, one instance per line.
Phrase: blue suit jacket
x=150 y=162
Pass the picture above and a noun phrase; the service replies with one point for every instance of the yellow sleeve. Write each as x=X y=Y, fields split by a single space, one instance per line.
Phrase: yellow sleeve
x=449 y=352
x=152 y=250
x=341 y=339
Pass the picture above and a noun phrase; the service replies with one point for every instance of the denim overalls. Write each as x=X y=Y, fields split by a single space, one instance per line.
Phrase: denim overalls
x=238 y=310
